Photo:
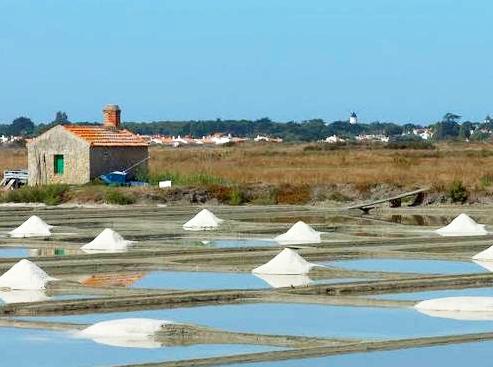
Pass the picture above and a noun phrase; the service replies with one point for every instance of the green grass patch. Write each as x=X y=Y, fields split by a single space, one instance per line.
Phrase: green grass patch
x=49 y=194
x=116 y=196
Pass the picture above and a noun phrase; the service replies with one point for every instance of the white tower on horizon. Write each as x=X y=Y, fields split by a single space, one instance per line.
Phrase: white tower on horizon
x=353 y=118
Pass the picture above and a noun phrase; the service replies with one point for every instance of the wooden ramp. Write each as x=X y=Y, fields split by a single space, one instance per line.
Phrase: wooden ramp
x=395 y=201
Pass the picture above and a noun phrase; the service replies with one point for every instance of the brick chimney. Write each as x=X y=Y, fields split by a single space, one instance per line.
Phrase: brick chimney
x=111 y=116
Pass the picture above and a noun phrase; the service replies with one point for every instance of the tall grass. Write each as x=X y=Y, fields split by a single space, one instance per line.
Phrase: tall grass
x=235 y=168
x=186 y=178
x=292 y=164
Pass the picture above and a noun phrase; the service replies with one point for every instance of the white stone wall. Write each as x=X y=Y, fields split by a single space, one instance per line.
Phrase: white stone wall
x=42 y=150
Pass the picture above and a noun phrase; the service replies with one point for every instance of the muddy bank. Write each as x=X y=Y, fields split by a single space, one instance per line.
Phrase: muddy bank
x=257 y=194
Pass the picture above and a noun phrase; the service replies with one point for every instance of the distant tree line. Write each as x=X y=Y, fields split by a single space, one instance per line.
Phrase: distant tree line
x=449 y=128
x=309 y=130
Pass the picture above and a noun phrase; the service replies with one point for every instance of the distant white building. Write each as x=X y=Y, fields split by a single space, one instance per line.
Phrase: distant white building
x=267 y=139
x=334 y=139
x=353 y=118
x=424 y=134
x=373 y=137
x=220 y=140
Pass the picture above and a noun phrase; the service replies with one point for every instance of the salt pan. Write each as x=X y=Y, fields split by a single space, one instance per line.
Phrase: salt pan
x=463 y=225
x=286 y=262
x=203 y=221
x=136 y=333
x=459 y=308
x=33 y=227
x=280 y=281
x=299 y=233
x=25 y=275
x=108 y=240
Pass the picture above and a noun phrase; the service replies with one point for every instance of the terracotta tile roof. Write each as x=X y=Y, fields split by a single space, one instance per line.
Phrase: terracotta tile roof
x=101 y=136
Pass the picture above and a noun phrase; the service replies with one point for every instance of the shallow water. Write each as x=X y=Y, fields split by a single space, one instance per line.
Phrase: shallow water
x=419 y=296
x=191 y=280
x=59 y=349
x=409 y=266
x=455 y=355
x=8 y=252
x=199 y=280
x=15 y=252
x=305 y=319
x=233 y=243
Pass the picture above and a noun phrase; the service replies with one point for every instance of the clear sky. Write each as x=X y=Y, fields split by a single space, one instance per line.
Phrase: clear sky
x=406 y=61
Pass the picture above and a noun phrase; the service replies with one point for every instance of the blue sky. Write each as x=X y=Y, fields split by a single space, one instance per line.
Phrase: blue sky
x=409 y=60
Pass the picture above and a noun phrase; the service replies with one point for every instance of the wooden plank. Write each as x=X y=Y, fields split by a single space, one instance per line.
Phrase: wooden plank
x=401 y=196
x=9 y=185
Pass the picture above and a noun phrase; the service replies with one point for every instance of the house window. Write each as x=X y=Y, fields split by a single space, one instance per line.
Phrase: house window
x=59 y=164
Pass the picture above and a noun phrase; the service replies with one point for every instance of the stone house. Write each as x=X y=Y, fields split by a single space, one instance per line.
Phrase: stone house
x=76 y=154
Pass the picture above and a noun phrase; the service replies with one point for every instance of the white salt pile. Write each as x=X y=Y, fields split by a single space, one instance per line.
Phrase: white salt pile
x=280 y=281
x=459 y=308
x=203 y=221
x=299 y=233
x=33 y=227
x=108 y=240
x=23 y=296
x=463 y=225
x=133 y=333
x=25 y=275
x=286 y=262
x=485 y=254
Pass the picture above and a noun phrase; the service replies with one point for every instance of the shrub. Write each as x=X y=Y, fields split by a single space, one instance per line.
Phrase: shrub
x=263 y=196
x=118 y=197
x=457 y=192
x=337 y=196
x=409 y=144
x=236 y=196
x=290 y=194
x=401 y=161
x=49 y=194
x=220 y=193
x=486 y=181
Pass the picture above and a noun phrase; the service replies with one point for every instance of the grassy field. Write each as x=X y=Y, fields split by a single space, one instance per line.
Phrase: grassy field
x=13 y=158
x=295 y=164
x=298 y=173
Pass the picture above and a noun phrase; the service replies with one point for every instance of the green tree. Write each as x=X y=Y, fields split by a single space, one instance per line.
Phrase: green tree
x=21 y=126
x=60 y=118
x=465 y=130
x=451 y=117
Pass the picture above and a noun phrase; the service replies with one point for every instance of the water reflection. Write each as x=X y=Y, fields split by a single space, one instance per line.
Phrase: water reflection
x=459 y=315
x=412 y=266
x=418 y=220
x=452 y=355
x=111 y=279
x=56 y=349
x=280 y=281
